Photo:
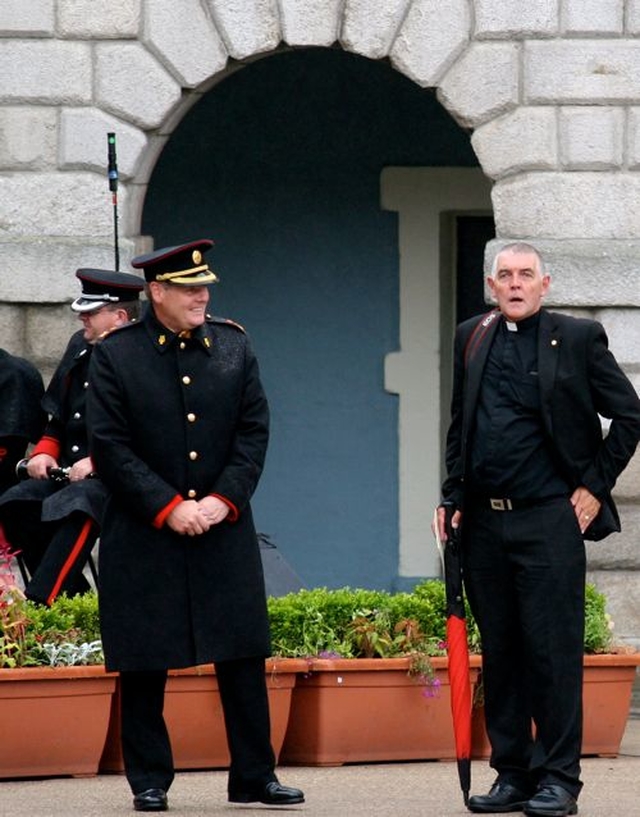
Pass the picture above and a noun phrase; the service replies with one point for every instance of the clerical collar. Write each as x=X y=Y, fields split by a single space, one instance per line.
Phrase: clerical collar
x=525 y=325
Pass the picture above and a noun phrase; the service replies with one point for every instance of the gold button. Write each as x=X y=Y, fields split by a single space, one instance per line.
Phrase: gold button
x=191 y=493
x=186 y=380
x=191 y=417
x=193 y=455
x=183 y=345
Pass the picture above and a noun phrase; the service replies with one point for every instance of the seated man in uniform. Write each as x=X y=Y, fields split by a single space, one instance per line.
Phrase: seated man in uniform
x=55 y=523
x=22 y=419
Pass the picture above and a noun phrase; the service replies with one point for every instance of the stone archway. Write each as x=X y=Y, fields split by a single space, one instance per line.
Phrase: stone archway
x=288 y=183
x=530 y=83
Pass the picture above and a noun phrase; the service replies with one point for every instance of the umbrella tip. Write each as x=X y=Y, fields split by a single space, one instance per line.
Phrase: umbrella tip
x=465 y=795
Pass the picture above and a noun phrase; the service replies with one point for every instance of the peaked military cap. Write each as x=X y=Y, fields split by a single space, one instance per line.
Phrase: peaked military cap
x=102 y=287
x=182 y=265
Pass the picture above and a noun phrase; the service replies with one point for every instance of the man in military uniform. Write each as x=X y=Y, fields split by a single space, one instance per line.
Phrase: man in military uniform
x=55 y=523
x=178 y=431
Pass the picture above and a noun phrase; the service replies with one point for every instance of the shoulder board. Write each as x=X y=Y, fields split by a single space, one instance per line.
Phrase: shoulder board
x=224 y=322
x=117 y=329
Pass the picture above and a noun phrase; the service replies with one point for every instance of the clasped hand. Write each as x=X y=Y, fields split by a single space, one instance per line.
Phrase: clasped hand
x=193 y=517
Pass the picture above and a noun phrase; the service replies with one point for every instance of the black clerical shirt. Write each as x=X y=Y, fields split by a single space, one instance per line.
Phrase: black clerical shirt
x=511 y=456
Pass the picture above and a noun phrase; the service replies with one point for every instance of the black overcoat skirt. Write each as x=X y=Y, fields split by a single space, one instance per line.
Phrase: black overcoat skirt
x=65 y=403
x=171 y=416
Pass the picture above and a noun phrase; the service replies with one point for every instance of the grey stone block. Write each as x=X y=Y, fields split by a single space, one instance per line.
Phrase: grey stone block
x=633 y=138
x=45 y=72
x=48 y=331
x=370 y=29
x=513 y=19
x=34 y=19
x=56 y=204
x=592 y=17
x=591 y=137
x=623 y=329
x=524 y=139
x=482 y=84
x=247 y=27
x=131 y=83
x=28 y=138
x=98 y=19
x=582 y=71
x=83 y=142
x=432 y=36
x=619 y=551
x=310 y=22
x=43 y=270
x=547 y=204
x=12 y=329
x=186 y=43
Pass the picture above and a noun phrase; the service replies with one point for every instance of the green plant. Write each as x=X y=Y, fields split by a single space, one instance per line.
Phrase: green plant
x=66 y=633
x=354 y=623
x=13 y=618
x=598 y=631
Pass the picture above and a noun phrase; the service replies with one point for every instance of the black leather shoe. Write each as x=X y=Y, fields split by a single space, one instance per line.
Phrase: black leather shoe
x=273 y=794
x=551 y=801
x=151 y=800
x=502 y=797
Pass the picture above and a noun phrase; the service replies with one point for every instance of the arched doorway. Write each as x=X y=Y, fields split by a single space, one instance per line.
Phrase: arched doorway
x=281 y=163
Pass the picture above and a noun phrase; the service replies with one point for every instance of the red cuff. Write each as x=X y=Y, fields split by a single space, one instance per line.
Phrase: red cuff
x=47 y=445
x=162 y=515
x=234 y=513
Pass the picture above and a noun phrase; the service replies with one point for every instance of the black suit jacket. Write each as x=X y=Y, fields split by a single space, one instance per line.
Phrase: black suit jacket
x=580 y=381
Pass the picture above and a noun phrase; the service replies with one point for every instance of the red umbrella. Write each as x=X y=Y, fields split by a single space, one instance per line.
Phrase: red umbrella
x=457 y=650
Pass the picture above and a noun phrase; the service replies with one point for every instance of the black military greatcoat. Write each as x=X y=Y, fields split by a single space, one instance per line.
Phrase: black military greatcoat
x=179 y=416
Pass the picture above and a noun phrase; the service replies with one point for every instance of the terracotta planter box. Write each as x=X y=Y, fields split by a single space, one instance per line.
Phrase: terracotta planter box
x=363 y=710
x=54 y=720
x=606 y=700
x=608 y=686
x=193 y=713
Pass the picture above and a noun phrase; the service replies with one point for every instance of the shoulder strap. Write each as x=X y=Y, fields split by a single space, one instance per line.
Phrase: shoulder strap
x=478 y=333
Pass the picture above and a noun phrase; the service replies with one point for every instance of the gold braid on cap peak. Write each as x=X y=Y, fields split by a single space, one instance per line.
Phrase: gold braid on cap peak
x=168 y=276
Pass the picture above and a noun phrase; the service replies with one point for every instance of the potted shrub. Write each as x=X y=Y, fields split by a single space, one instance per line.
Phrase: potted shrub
x=609 y=673
x=376 y=687
x=55 y=696
x=356 y=641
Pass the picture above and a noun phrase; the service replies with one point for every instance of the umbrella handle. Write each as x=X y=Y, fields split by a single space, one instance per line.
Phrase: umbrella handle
x=435 y=526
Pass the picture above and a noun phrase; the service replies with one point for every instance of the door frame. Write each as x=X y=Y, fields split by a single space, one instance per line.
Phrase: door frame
x=425 y=199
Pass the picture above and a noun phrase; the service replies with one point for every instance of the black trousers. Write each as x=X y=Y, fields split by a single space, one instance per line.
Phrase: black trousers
x=54 y=553
x=524 y=575
x=146 y=747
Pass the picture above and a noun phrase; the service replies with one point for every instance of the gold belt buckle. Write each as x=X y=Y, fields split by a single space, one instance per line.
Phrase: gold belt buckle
x=501 y=505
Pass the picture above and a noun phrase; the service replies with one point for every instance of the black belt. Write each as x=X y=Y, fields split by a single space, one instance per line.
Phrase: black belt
x=511 y=504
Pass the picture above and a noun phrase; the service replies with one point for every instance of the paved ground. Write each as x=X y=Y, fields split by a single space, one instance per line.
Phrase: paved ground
x=384 y=790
